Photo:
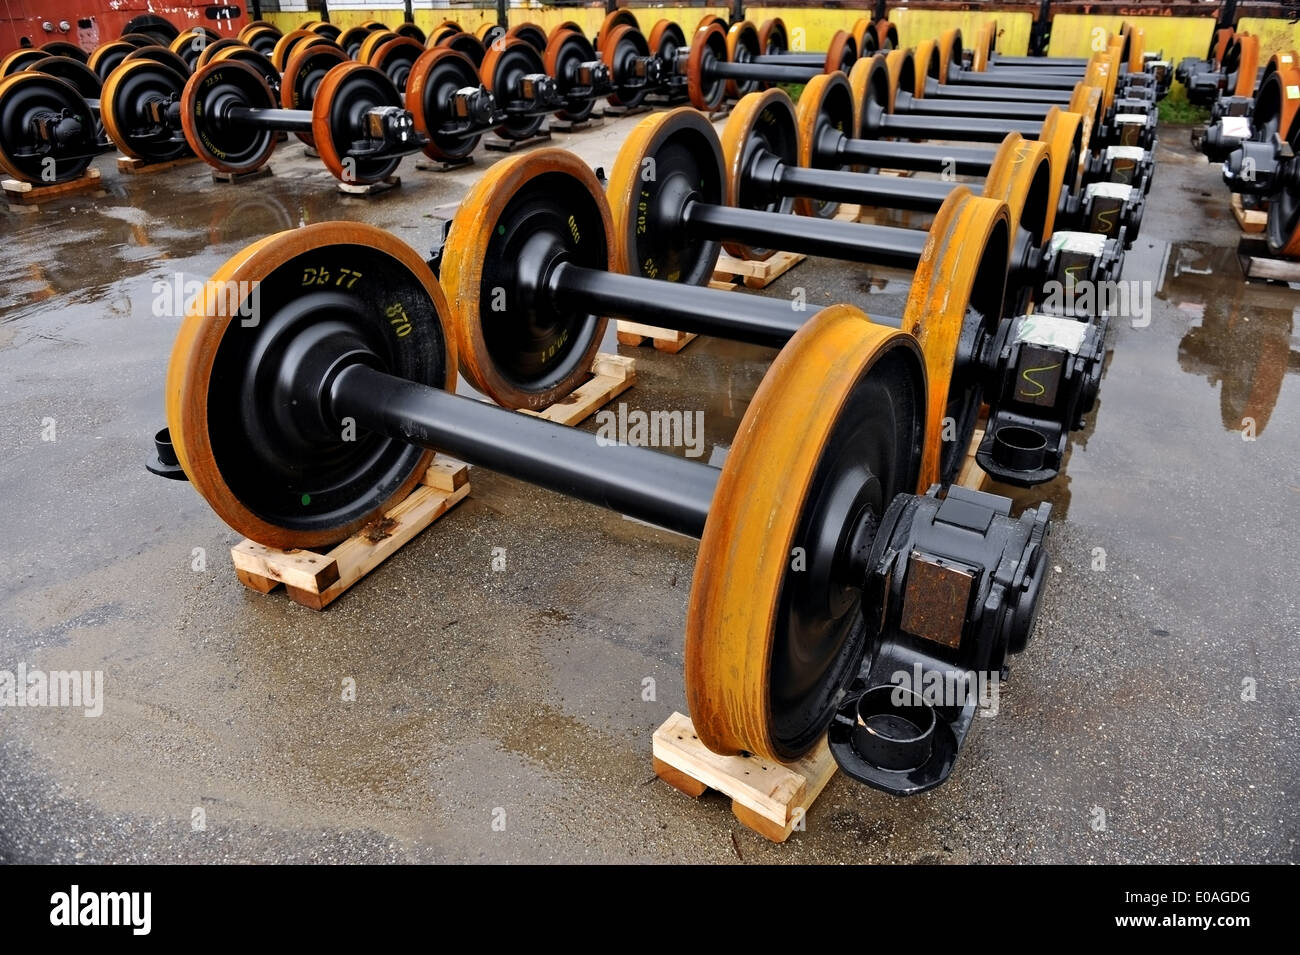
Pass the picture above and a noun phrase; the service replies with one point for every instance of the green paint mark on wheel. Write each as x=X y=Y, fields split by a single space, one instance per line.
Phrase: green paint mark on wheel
x=305 y=499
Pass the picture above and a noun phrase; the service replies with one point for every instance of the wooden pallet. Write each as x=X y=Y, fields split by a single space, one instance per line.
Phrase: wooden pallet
x=754 y=274
x=1252 y=221
x=663 y=339
x=33 y=194
x=234 y=178
x=129 y=166
x=1257 y=262
x=502 y=145
x=367 y=190
x=769 y=797
x=611 y=376
x=316 y=579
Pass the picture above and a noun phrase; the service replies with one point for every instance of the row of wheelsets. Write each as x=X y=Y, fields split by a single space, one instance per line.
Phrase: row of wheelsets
x=1032 y=179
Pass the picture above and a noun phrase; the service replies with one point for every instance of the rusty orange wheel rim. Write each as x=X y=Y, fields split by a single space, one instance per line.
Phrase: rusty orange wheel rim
x=321 y=133
x=864 y=75
x=624 y=188
x=285 y=45
x=189 y=371
x=807 y=112
x=1248 y=66
x=734 y=620
x=1063 y=132
x=905 y=71
x=980 y=51
x=965 y=258
x=949 y=52
x=199 y=143
x=462 y=270
x=745 y=116
x=617 y=18
x=371 y=44
x=736 y=36
x=106 y=114
x=1022 y=176
x=861 y=27
x=711 y=35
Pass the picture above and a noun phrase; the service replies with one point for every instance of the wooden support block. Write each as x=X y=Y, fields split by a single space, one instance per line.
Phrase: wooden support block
x=501 y=145
x=614 y=112
x=32 y=194
x=316 y=580
x=848 y=213
x=233 y=178
x=564 y=126
x=129 y=166
x=611 y=376
x=769 y=797
x=664 y=339
x=1252 y=221
x=1258 y=262
x=368 y=189
x=972 y=475
x=755 y=274
x=443 y=165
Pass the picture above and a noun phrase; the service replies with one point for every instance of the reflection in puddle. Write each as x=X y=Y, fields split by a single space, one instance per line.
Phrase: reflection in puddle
x=1245 y=343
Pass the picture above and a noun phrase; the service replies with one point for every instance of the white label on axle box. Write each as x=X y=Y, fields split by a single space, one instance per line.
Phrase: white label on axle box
x=1084 y=243
x=1050 y=331
x=1109 y=190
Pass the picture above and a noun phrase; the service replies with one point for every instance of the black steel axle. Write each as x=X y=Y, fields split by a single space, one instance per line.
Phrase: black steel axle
x=651 y=486
x=289 y=120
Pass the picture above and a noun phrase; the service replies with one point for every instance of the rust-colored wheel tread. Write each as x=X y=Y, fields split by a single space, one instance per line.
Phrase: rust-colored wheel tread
x=733 y=617
x=736 y=37
x=696 y=82
x=980 y=50
x=840 y=44
x=745 y=115
x=106 y=114
x=20 y=60
x=614 y=19
x=1017 y=166
x=462 y=271
x=193 y=135
x=944 y=283
x=285 y=45
x=325 y=146
x=371 y=44
x=949 y=42
x=1248 y=67
x=902 y=64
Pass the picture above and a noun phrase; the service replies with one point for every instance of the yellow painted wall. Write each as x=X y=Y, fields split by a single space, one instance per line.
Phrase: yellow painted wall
x=1175 y=37
x=1274 y=35
x=916 y=25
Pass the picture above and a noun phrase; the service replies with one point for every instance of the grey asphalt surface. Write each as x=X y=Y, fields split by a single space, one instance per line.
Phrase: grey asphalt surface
x=485 y=696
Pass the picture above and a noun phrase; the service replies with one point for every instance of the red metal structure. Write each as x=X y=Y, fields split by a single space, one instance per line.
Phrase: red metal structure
x=88 y=23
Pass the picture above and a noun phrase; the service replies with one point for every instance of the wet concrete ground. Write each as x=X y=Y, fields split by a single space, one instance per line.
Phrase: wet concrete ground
x=516 y=697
